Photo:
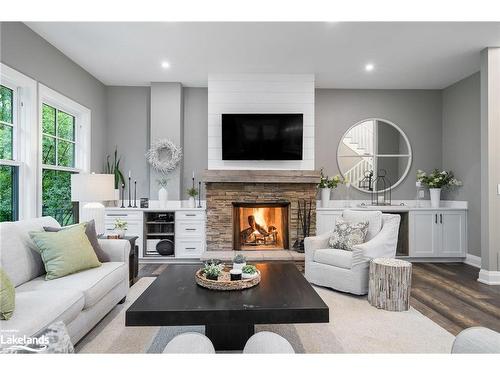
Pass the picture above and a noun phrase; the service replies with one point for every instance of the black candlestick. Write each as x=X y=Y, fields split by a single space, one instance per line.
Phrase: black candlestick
x=193 y=183
x=123 y=196
x=129 y=193
x=199 y=194
x=135 y=194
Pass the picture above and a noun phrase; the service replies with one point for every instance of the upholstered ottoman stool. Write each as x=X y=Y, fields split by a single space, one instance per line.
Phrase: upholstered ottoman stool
x=191 y=342
x=267 y=343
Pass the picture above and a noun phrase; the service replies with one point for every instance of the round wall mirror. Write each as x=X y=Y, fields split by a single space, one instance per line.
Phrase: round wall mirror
x=374 y=155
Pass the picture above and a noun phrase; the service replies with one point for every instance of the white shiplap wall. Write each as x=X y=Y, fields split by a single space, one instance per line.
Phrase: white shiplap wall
x=260 y=93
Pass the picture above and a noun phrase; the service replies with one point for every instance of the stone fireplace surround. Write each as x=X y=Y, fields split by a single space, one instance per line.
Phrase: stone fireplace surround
x=223 y=187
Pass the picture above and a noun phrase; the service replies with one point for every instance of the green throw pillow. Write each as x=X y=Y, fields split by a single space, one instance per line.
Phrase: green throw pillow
x=7 y=296
x=65 y=252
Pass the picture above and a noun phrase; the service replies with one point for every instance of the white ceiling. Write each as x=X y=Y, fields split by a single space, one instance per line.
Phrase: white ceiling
x=405 y=55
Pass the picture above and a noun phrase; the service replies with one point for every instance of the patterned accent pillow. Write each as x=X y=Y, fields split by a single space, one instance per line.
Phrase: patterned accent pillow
x=348 y=234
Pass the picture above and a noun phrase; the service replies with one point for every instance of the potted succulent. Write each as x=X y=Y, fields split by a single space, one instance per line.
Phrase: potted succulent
x=435 y=181
x=249 y=271
x=120 y=227
x=192 y=193
x=212 y=271
x=239 y=262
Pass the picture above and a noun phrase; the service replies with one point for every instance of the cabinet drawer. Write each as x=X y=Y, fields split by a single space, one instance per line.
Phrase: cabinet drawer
x=190 y=215
x=125 y=215
x=189 y=228
x=188 y=249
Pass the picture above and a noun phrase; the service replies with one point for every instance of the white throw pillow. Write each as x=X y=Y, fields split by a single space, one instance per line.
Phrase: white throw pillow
x=374 y=219
x=347 y=234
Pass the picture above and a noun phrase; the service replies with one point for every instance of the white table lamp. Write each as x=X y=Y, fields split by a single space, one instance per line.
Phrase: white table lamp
x=91 y=190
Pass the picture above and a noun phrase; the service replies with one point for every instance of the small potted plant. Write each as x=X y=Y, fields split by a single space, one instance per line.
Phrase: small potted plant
x=249 y=271
x=239 y=262
x=435 y=181
x=192 y=193
x=324 y=189
x=120 y=227
x=212 y=271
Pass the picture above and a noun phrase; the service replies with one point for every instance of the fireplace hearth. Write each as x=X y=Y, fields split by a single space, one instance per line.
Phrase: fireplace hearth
x=260 y=225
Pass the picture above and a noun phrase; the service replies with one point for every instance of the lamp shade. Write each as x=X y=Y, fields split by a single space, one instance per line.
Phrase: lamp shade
x=92 y=187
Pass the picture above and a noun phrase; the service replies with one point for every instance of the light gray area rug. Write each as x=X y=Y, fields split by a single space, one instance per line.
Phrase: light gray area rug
x=355 y=327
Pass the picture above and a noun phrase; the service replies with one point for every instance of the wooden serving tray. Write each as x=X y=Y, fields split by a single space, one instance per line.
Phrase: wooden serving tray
x=224 y=281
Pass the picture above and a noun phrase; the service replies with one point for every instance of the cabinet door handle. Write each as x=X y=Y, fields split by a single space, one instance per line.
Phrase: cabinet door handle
x=441 y=218
x=436 y=218
x=190 y=248
x=190 y=214
x=190 y=228
x=116 y=214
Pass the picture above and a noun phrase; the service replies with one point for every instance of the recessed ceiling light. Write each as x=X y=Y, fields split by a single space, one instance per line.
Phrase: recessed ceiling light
x=165 y=65
x=369 y=67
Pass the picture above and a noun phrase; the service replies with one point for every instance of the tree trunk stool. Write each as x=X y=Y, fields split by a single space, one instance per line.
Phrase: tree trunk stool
x=389 y=284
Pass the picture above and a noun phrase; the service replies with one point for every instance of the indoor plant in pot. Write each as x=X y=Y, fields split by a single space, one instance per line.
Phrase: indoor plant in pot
x=249 y=271
x=114 y=169
x=120 y=227
x=239 y=261
x=436 y=181
x=192 y=193
x=324 y=189
x=212 y=271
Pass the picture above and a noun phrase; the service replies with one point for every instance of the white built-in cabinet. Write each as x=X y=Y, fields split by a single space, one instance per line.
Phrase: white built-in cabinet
x=432 y=233
x=438 y=233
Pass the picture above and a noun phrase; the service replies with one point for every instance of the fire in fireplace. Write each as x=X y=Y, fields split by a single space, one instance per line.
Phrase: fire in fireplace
x=260 y=225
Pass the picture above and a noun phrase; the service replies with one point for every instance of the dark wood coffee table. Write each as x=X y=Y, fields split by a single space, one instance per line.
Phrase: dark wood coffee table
x=174 y=299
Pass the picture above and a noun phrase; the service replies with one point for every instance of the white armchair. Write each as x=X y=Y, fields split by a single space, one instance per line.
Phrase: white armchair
x=344 y=270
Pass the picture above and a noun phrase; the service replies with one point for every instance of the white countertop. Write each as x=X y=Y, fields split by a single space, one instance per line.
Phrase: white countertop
x=155 y=206
x=397 y=206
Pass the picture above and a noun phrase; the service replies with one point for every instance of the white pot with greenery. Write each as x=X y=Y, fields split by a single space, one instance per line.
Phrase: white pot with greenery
x=192 y=193
x=436 y=181
x=249 y=271
x=239 y=261
x=121 y=227
x=163 y=192
x=326 y=185
x=114 y=169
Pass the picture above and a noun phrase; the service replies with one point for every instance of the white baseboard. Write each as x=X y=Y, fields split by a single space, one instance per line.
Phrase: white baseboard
x=489 y=277
x=473 y=260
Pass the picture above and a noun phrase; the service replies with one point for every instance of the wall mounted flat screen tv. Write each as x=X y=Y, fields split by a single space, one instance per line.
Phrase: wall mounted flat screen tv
x=262 y=136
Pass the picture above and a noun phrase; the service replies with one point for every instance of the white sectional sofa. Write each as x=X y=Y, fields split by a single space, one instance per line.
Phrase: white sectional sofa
x=80 y=300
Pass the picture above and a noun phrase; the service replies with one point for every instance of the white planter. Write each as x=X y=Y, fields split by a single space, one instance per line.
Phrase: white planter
x=239 y=266
x=435 y=197
x=325 y=197
x=163 y=197
x=120 y=232
x=248 y=275
x=192 y=202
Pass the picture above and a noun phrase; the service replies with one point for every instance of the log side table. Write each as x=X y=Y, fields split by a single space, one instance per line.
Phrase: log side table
x=389 y=284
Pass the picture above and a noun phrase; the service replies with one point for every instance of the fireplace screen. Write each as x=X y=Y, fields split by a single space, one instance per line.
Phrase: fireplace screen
x=260 y=226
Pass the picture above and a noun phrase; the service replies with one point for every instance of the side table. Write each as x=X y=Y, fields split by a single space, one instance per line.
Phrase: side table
x=389 y=284
x=133 y=262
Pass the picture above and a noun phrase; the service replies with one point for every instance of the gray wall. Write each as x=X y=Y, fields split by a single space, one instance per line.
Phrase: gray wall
x=462 y=149
x=195 y=135
x=30 y=54
x=128 y=129
x=416 y=112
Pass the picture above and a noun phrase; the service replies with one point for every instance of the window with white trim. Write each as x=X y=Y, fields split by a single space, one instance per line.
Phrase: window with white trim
x=9 y=163
x=65 y=149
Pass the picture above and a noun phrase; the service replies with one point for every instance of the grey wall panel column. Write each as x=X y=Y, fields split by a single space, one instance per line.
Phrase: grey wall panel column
x=490 y=162
x=195 y=136
x=462 y=150
x=167 y=122
x=127 y=129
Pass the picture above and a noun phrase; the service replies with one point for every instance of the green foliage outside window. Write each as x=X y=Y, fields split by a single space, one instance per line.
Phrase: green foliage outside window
x=56 y=196
x=8 y=175
x=8 y=201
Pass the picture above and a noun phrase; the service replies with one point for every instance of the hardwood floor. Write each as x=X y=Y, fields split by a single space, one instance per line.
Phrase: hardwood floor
x=447 y=293
x=450 y=295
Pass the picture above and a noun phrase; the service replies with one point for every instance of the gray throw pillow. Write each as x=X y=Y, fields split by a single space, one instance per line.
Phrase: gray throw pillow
x=91 y=235
x=347 y=234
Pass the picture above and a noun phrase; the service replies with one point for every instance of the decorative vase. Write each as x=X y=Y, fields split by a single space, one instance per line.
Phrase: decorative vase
x=325 y=197
x=117 y=197
x=163 y=197
x=239 y=266
x=435 y=197
x=192 y=202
